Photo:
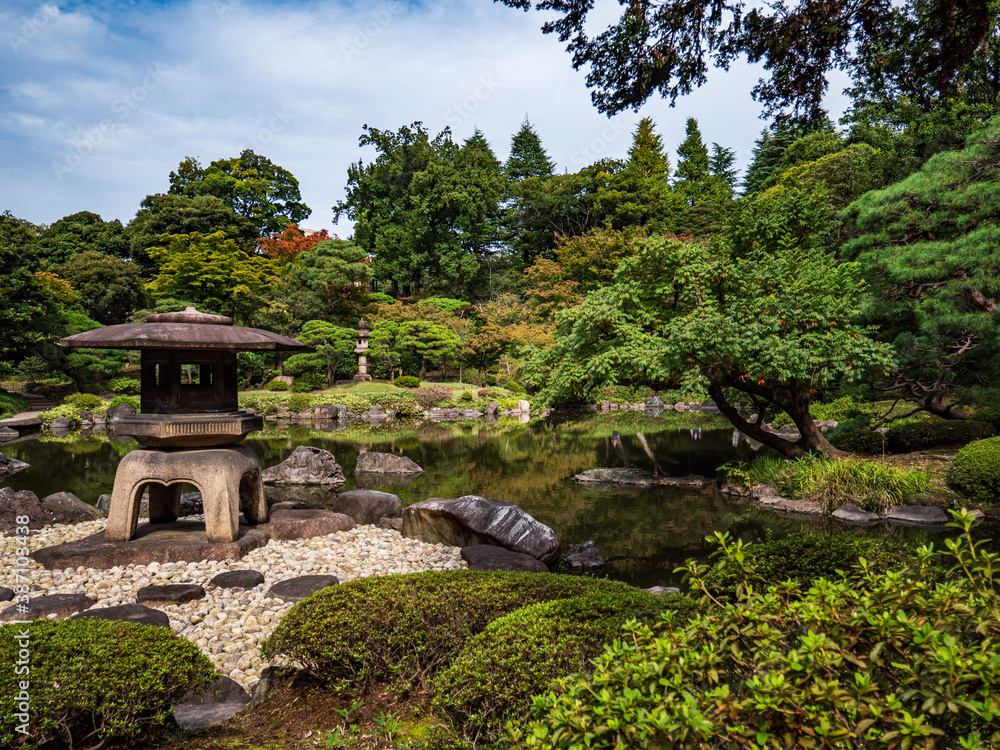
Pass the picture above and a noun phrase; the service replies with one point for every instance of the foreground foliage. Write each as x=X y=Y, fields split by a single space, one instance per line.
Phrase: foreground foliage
x=94 y=682
x=892 y=660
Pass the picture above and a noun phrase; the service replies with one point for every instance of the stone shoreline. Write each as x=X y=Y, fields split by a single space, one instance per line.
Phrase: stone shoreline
x=229 y=625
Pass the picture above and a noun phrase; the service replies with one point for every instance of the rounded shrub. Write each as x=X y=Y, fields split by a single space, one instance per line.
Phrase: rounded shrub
x=401 y=629
x=408 y=381
x=277 y=385
x=975 y=471
x=932 y=433
x=299 y=401
x=85 y=402
x=990 y=416
x=859 y=441
x=519 y=655
x=97 y=682
x=133 y=402
x=465 y=396
x=124 y=385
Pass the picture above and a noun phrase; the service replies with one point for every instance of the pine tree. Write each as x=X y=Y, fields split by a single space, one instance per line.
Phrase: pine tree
x=693 y=167
x=647 y=154
x=527 y=157
x=722 y=166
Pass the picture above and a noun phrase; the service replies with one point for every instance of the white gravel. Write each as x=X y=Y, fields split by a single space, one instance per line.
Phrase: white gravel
x=229 y=625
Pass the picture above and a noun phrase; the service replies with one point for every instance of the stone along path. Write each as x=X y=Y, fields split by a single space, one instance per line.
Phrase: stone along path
x=230 y=624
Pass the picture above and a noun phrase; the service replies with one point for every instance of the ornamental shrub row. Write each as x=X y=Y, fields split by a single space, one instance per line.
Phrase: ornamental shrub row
x=913 y=436
x=975 y=471
x=401 y=629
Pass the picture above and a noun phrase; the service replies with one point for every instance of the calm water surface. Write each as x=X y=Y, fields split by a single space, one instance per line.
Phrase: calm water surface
x=643 y=533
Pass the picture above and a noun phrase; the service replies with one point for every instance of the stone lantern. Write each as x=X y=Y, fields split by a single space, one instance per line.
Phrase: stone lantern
x=361 y=350
x=189 y=422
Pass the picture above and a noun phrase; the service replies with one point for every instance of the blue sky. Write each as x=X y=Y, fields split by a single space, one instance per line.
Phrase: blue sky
x=99 y=101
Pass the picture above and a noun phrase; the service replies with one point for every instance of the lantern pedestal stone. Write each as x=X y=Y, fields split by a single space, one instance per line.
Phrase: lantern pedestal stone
x=228 y=478
x=361 y=349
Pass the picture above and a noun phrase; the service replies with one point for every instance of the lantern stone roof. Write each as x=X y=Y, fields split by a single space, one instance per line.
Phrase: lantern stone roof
x=183 y=330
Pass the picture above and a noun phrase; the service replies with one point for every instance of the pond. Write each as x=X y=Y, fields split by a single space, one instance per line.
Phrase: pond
x=642 y=533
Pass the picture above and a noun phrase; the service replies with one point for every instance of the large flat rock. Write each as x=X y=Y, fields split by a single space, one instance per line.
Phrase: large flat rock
x=289 y=523
x=162 y=543
x=472 y=520
x=917 y=515
x=385 y=463
x=306 y=465
x=638 y=478
x=139 y=614
x=488 y=557
x=61 y=605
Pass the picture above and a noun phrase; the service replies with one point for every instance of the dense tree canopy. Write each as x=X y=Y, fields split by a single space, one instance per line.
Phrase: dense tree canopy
x=667 y=47
x=928 y=247
x=252 y=185
x=109 y=289
x=80 y=232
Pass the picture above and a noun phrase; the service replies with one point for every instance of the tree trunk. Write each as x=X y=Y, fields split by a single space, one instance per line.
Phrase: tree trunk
x=810 y=440
x=423 y=367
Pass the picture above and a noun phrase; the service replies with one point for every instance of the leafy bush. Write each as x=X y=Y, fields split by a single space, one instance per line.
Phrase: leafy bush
x=403 y=628
x=249 y=402
x=6 y=415
x=859 y=441
x=622 y=394
x=515 y=387
x=407 y=381
x=96 y=681
x=398 y=403
x=893 y=660
x=520 y=654
x=133 y=402
x=932 y=433
x=124 y=385
x=277 y=385
x=975 y=471
x=86 y=402
x=465 y=396
x=509 y=403
x=12 y=402
x=298 y=402
x=990 y=416
x=803 y=558
x=63 y=410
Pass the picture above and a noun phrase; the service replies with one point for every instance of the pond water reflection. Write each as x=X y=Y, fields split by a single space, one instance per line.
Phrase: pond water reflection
x=643 y=533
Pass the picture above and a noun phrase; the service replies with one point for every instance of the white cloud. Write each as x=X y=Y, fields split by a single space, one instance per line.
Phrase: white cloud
x=102 y=102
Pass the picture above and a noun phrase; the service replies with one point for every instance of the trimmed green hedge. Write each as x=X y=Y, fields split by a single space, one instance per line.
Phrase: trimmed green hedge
x=913 y=436
x=407 y=381
x=401 y=629
x=96 y=681
x=519 y=655
x=859 y=441
x=975 y=471
x=933 y=433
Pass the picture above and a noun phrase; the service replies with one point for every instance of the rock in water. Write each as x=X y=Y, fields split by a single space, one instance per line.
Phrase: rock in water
x=472 y=520
x=306 y=465
x=386 y=463
x=584 y=556
x=368 y=506
x=488 y=557
x=10 y=466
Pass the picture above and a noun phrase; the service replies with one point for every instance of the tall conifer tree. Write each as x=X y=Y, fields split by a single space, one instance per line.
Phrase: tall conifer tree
x=693 y=167
x=647 y=154
x=527 y=157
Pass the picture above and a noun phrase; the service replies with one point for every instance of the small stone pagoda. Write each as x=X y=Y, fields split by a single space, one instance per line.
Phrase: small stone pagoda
x=189 y=422
x=362 y=351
